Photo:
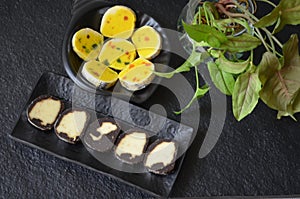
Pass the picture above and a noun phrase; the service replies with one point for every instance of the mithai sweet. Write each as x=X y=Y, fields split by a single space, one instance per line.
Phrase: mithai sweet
x=131 y=146
x=161 y=157
x=118 y=22
x=71 y=124
x=102 y=134
x=117 y=53
x=99 y=74
x=137 y=75
x=43 y=112
x=147 y=42
x=87 y=43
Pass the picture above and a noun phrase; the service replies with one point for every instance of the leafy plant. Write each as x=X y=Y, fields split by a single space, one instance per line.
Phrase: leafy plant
x=275 y=80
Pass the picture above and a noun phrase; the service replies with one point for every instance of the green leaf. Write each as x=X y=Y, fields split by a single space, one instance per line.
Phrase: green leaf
x=205 y=33
x=291 y=51
x=245 y=94
x=193 y=60
x=269 y=19
x=296 y=103
x=268 y=67
x=281 y=90
x=222 y=80
x=232 y=67
x=287 y=12
x=242 y=43
x=200 y=92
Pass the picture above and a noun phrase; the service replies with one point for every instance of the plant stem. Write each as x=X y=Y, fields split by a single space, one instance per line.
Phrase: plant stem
x=269 y=2
x=256 y=20
x=206 y=15
x=259 y=35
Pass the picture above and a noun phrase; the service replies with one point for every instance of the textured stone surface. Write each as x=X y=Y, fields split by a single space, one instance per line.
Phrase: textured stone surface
x=258 y=156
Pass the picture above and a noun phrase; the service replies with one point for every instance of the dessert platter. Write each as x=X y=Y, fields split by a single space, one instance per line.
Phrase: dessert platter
x=82 y=119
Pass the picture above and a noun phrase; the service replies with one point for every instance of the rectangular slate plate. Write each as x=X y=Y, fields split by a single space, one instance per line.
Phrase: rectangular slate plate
x=63 y=88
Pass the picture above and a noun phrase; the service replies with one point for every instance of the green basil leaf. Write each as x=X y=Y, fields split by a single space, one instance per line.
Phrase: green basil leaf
x=291 y=51
x=205 y=33
x=287 y=12
x=222 y=80
x=268 y=66
x=193 y=60
x=269 y=19
x=232 y=67
x=281 y=90
x=242 y=43
x=296 y=103
x=245 y=94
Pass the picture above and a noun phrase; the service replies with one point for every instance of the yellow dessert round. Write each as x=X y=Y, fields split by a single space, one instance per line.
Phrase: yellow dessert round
x=118 y=22
x=87 y=43
x=137 y=75
x=147 y=42
x=99 y=74
x=117 y=53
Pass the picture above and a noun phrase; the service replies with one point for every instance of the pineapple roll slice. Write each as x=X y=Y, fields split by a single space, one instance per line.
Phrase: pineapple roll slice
x=137 y=75
x=147 y=42
x=87 y=43
x=71 y=124
x=117 y=53
x=99 y=74
x=118 y=22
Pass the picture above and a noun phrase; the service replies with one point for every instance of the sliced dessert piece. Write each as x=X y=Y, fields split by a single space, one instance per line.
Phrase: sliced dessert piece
x=147 y=42
x=161 y=157
x=137 y=75
x=117 y=53
x=99 y=74
x=118 y=22
x=102 y=134
x=87 y=43
x=71 y=124
x=131 y=146
x=43 y=111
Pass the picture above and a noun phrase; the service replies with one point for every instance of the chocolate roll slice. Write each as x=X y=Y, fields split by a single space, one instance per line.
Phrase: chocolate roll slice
x=131 y=146
x=43 y=112
x=161 y=157
x=102 y=134
x=71 y=124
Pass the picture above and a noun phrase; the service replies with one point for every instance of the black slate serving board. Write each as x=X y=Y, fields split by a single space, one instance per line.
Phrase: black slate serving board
x=64 y=89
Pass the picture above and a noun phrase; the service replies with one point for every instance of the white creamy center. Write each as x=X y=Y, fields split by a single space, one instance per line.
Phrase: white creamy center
x=72 y=123
x=104 y=129
x=162 y=153
x=46 y=111
x=133 y=144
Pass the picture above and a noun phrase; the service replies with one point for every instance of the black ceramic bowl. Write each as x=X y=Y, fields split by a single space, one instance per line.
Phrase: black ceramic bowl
x=90 y=15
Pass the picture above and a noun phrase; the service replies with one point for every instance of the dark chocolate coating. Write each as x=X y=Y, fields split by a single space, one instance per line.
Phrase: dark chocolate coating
x=126 y=157
x=38 y=123
x=107 y=141
x=159 y=168
x=62 y=135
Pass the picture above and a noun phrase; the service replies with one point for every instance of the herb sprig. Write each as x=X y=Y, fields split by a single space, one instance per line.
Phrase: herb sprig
x=275 y=80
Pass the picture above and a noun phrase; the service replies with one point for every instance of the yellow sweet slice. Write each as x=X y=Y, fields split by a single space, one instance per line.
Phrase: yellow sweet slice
x=118 y=22
x=147 y=42
x=137 y=75
x=117 y=53
x=99 y=74
x=87 y=43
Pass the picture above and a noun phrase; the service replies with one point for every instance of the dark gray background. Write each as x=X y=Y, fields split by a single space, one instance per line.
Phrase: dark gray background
x=258 y=156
